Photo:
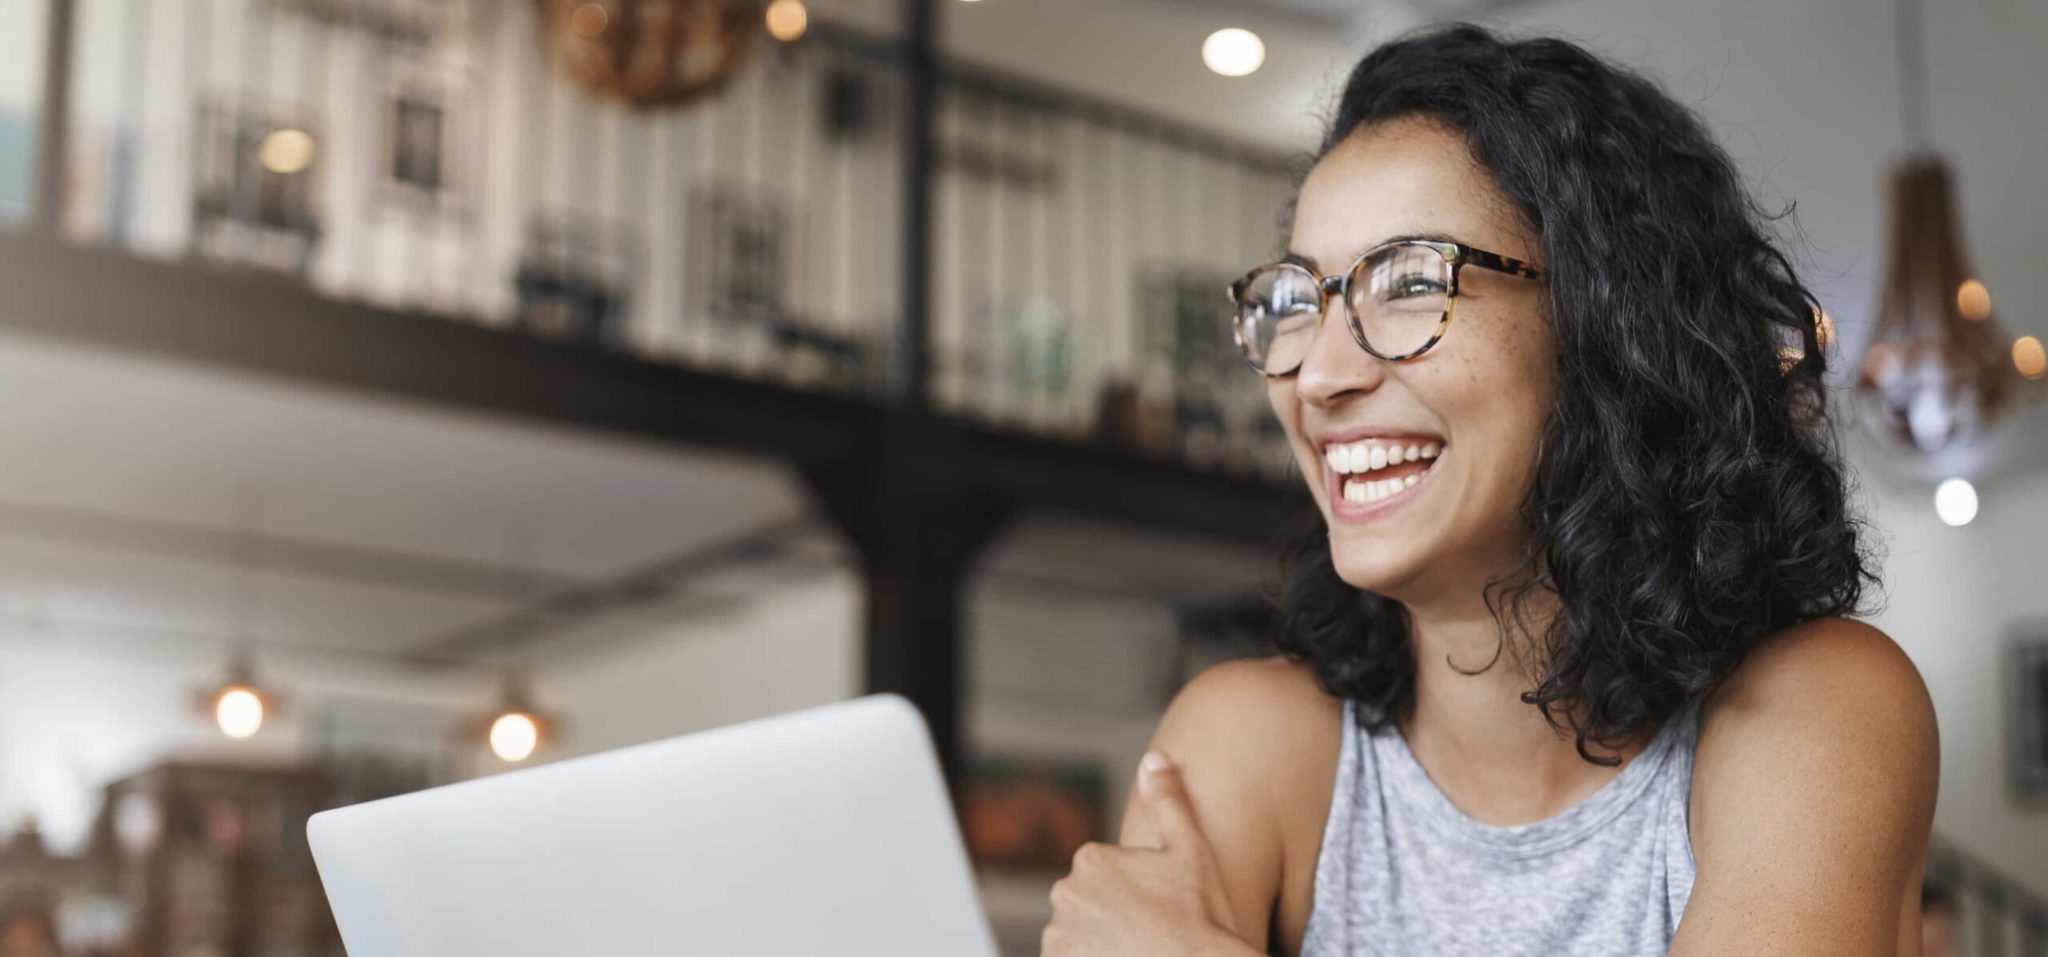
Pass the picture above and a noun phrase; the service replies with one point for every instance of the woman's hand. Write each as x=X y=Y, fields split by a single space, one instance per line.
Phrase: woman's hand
x=1165 y=901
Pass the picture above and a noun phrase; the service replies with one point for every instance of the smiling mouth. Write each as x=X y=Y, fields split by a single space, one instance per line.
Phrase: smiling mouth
x=1371 y=470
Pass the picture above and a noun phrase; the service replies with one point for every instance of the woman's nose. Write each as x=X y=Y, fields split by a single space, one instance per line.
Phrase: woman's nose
x=1336 y=366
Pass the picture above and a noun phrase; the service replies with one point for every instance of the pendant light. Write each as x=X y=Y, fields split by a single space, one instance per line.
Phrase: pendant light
x=1938 y=372
x=517 y=729
x=238 y=704
x=650 y=53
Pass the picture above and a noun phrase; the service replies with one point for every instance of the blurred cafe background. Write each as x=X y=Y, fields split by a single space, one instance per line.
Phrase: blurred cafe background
x=399 y=391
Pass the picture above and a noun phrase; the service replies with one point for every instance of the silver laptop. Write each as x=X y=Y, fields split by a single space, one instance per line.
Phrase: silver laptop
x=826 y=831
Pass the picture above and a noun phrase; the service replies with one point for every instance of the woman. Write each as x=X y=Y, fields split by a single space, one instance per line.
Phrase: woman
x=1565 y=664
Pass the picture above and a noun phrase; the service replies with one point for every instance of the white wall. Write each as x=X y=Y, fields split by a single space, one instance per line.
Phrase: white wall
x=1954 y=594
x=790 y=647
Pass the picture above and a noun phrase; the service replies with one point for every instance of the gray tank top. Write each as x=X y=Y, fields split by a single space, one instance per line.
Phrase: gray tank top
x=1403 y=871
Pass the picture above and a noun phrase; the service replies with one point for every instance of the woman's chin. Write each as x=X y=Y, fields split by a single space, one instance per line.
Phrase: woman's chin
x=1375 y=572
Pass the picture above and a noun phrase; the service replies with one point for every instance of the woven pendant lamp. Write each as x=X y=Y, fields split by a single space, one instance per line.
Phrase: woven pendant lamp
x=648 y=53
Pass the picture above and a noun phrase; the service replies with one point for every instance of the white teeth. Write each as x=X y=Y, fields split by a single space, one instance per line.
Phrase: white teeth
x=1365 y=491
x=1370 y=456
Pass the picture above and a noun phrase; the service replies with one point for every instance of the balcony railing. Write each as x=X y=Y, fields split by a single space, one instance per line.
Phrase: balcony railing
x=426 y=156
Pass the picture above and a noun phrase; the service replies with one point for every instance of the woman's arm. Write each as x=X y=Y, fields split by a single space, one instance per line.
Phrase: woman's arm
x=1813 y=794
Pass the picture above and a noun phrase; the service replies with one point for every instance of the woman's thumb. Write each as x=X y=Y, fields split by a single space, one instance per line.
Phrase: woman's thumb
x=1160 y=783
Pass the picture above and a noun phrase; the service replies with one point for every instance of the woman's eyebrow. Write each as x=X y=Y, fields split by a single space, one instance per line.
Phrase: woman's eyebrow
x=1305 y=261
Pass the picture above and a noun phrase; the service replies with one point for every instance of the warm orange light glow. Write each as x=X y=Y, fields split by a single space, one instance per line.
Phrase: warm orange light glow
x=1973 y=300
x=1824 y=329
x=285 y=152
x=2029 y=357
x=787 y=20
x=589 y=20
x=239 y=712
x=515 y=736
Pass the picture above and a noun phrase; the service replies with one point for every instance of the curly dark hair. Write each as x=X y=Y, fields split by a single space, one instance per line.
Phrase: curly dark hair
x=1687 y=497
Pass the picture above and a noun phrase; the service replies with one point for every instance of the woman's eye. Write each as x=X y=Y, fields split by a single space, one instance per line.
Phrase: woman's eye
x=1414 y=284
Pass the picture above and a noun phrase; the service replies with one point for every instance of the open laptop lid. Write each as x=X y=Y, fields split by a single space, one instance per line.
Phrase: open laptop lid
x=824 y=831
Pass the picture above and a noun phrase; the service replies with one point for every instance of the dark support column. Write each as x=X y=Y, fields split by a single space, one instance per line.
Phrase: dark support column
x=918 y=535
x=920 y=96
x=53 y=123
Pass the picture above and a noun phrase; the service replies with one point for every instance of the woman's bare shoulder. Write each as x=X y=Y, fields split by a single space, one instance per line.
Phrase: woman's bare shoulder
x=1822 y=683
x=1266 y=719
x=1813 y=791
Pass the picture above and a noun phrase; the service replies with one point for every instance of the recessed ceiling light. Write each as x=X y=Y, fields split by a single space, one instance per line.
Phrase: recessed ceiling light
x=1234 y=52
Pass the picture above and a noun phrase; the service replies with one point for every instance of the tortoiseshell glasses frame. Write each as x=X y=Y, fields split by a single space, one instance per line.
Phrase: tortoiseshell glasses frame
x=1256 y=344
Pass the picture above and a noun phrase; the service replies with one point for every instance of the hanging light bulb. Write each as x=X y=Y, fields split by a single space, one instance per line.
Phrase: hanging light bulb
x=239 y=705
x=516 y=730
x=515 y=736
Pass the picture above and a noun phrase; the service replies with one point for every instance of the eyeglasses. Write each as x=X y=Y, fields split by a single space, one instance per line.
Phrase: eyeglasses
x=1398 y=297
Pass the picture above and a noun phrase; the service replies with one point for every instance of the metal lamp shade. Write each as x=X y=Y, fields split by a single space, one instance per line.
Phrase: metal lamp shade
x=1933 y=379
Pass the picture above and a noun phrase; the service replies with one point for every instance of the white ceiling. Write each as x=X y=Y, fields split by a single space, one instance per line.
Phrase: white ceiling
x=134 y=492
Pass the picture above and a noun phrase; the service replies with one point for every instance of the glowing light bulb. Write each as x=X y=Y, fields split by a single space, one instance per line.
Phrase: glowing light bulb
x=787 y=20
x=1956 y=502
x=1234 y=52
x=514 y=736
x=1973 y=300
x=2029 y=357
x=239 y=712
x=285 y=152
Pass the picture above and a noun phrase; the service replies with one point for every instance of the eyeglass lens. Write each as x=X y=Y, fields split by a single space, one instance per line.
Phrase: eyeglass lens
x=1397 y=297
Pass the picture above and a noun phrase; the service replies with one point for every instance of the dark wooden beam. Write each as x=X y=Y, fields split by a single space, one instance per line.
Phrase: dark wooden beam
x=920 y=111
x=919 y=527
x=276 y=326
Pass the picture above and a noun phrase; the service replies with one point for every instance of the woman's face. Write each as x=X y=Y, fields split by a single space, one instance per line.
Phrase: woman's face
x=1426 y=530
